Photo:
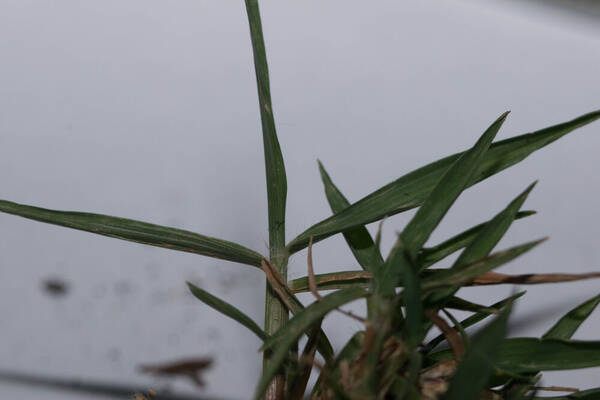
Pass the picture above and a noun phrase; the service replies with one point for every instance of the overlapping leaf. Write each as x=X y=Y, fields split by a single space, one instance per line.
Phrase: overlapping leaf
x=282 y=342
x=412 y=189
x=487 y=238
x=477 y=317
x=431 y=255
x=475 y=369
x=445 y=193
x=453 y=277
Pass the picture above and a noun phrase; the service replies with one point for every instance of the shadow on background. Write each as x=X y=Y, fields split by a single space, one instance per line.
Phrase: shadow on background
x=586 y=9
x=91 y=388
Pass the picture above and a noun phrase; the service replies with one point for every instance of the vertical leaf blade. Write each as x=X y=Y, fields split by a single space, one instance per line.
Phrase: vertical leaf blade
x=276 y=314
x=274 y=166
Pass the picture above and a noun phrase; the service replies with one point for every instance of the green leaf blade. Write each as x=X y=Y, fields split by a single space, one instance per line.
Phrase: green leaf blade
x=492 y=232
x=568 y=324
x=359 y=239
x=137 y=231
x=274 y=166
x=431 y=255
x=227 y=309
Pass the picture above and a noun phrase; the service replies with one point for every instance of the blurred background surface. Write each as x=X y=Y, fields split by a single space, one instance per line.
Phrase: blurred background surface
x=147 y=110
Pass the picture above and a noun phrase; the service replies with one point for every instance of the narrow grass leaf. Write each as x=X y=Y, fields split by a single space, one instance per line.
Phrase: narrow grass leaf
x=568 y=325
x=359 y=239
x=492 y=232
x=431 y=255
x=227 y=309
x=484 y=242
x=299 y=324
x=275 y=169
x=494 y=278
x=346 y=279
x=136 y=231
x=412 y=189
x=477 y=366
x=445 y=193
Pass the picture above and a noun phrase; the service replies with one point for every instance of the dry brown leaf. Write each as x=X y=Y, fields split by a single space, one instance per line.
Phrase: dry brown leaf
x=311 y=273
x=452 y=336
x=494 y=278
x=191 y=368
x=276 y=283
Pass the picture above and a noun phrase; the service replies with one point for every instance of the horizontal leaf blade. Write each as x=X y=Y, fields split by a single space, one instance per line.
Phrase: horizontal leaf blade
x=411 y=189
x=137 y=231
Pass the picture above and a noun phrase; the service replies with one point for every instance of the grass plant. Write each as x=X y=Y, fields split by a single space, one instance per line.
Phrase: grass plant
x=406 y=295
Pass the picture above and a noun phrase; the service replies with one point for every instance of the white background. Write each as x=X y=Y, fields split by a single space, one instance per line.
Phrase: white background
x=147 y=109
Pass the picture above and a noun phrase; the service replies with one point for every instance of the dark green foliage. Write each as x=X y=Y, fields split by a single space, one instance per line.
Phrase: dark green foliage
x=387 y=358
